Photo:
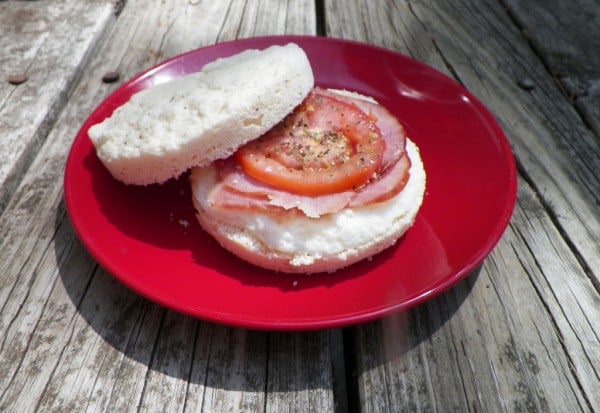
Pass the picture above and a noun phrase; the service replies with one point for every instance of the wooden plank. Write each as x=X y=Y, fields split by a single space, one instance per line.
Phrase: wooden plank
x=48 y=42
x=295 y=385
x=539 y=318
x=72 y=337
x=567 y=37
x=489 y=344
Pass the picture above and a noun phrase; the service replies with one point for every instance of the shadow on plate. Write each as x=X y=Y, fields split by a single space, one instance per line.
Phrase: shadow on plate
x=173 y=227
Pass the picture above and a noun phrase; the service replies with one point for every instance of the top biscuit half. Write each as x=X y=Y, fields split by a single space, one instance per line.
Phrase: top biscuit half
x=165 y=130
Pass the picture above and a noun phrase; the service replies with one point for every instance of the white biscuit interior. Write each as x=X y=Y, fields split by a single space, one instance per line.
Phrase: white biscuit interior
x=192 y=120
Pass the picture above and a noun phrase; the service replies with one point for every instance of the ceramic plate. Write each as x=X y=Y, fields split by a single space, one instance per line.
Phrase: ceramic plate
x=148 y=238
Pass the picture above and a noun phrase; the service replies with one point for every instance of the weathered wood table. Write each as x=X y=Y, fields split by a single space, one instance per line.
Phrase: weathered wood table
x=521 y=335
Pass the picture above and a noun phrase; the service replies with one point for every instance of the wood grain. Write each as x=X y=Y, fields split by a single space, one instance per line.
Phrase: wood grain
x=520 y=334
x=49 y=42
x=566 y=35
x=72 y=337
x=532 y=312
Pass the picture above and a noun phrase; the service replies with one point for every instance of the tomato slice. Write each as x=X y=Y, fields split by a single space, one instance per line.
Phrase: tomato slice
x=326 y=145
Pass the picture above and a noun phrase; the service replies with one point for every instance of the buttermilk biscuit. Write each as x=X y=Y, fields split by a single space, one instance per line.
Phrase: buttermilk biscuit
x=191 y=121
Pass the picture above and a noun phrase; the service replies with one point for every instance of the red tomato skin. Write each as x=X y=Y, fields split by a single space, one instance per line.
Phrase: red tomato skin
x=325 y=146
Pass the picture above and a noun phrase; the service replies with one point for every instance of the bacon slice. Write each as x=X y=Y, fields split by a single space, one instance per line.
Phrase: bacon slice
x=237 y=190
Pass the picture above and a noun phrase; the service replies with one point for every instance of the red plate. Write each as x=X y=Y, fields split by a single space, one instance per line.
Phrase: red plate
x=148 y=237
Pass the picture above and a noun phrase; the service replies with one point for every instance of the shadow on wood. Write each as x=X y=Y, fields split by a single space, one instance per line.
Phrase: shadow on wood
x=142 y=340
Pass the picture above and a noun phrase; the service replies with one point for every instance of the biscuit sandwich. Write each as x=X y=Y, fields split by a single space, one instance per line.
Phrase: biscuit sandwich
x=284 y=174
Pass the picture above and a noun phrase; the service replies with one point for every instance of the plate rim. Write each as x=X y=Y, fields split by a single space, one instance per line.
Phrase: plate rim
x=310 y=323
